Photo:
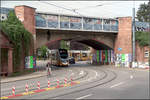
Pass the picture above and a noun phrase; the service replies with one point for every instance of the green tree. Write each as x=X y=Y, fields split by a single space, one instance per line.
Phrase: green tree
x=43 y=50
x=20 y=37
x=142 y=38
x=143 y=13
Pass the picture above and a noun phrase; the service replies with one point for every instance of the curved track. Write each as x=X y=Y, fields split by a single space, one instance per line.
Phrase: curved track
x=98 y=82
x=90 y=79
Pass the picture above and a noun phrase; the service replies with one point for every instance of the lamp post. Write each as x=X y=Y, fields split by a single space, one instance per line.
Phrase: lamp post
x=149 y=34
x=133 y=38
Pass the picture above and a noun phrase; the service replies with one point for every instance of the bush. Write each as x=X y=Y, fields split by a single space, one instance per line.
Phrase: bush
x=142 y=38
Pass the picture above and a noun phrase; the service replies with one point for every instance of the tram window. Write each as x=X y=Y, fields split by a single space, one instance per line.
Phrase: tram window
x=84 y=54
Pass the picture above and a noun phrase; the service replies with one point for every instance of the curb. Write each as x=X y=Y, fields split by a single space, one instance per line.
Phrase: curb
x=21 y=79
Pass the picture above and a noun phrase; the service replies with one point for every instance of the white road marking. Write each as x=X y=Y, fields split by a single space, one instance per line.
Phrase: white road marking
x=117 y=84
x=131 y=76
x=81 y=72
x=72 y=74
x=94 y=77
x=96 y=74
x=84 y=96
x=70 y=70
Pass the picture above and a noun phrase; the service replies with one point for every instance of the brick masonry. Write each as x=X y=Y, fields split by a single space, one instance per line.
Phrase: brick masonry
x=6 y=62
x=26 y=15
x=140 y=56
x=124 y=37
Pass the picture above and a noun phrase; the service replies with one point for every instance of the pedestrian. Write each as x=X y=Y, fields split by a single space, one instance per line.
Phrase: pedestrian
x=48 y=68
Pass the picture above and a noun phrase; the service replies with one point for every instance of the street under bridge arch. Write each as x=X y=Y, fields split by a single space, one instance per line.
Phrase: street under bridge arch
x=98 y=41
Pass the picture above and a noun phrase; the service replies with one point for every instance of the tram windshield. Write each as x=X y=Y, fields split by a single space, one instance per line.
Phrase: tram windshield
x=63 y=53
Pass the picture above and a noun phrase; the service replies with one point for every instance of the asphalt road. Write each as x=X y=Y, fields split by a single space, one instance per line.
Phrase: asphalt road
x=96 y=82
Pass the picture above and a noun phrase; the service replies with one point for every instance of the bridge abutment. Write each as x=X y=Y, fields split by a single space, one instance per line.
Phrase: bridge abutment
x=26 y=15
x=124 y=37
x=123 y=42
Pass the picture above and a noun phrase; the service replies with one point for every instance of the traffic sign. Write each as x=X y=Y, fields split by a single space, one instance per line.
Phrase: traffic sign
x=119 y=49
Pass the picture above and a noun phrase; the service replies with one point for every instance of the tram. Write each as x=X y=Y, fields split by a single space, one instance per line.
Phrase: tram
x=59 y=57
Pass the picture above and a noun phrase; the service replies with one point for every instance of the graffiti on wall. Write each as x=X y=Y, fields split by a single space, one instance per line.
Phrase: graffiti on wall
x=114 y=25
x=106 y=25
x=40 y=20
x=52 y=21
x=142 y=26
x=108 y=57
x=103 y=56
x=64 y=22
x=88 y=23
x=123 y=60
x=75 y=23
x=97 y=24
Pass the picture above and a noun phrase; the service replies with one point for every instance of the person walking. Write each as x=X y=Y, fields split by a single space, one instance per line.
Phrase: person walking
x=48 y=68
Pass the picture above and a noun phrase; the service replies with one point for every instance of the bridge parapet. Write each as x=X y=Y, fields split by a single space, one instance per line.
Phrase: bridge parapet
x=77 y=23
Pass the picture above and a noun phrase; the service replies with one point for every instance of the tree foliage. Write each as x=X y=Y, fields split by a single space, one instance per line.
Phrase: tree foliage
x=142 y=38
x=43 y=50
x=19 y=36
x=143 y=13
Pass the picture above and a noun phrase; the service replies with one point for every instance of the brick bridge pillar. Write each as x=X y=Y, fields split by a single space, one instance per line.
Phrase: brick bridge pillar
x=26 y=15
x=124 y=37
x=123 y=42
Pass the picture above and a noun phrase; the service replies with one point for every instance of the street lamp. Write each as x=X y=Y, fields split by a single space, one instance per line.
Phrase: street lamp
x=133 y=38
x=149 y=34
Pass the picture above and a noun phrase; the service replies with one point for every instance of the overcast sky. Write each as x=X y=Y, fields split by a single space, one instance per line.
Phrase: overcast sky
x=108 y=9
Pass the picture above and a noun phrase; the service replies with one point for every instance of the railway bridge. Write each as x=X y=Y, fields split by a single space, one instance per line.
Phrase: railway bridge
x=99 y=33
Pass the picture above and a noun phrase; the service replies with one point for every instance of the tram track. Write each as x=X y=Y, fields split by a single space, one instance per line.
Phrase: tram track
x=90 y=87
x=103 y=79
x=44 y=85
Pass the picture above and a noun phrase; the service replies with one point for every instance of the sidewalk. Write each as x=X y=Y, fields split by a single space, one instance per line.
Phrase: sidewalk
x=23 y=77
x=40 y=64
x=135 y=68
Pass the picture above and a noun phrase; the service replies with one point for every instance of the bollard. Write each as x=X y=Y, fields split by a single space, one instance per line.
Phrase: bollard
x=57 y=83
x=13 y=90
x=38 y=85
x=48 y=84
x=27 y=87
x=32 y=85
x=65 y=80
x=71 y=80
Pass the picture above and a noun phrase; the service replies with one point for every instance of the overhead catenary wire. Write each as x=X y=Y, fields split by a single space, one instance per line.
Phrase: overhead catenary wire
x=98 y=5
x=76 y=10
x=72 y=10
x=69 y=9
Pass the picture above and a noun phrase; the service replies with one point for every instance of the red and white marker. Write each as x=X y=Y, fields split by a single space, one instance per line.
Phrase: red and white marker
x=48 y=84
x=33 y=85
x=71 y=80
x=38 y=84
x=65 y=80
x=57 y=82
x=13 y=90
x=27 y=87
